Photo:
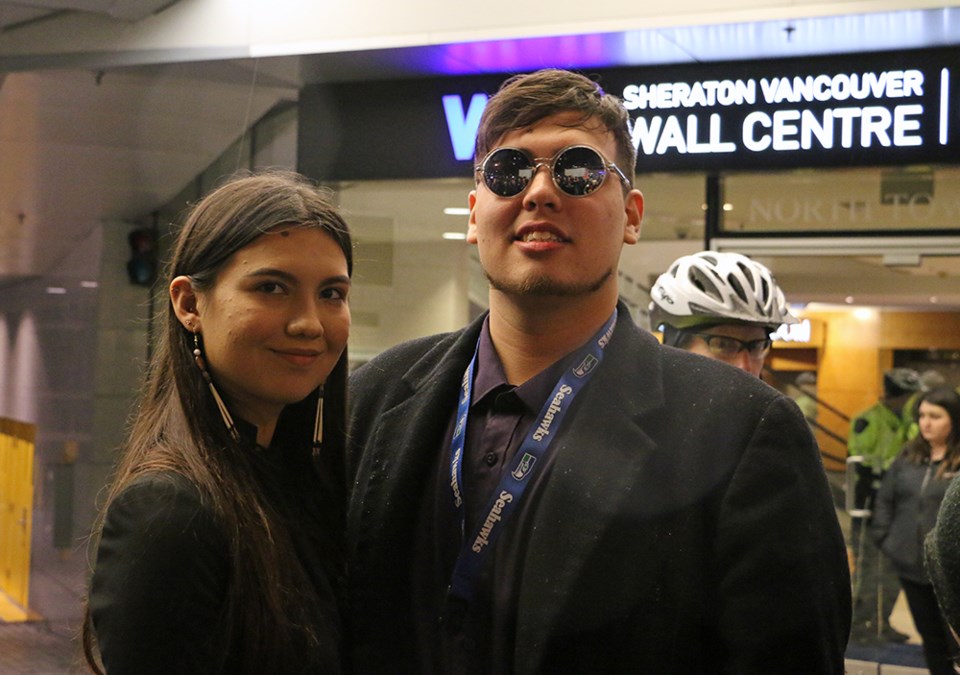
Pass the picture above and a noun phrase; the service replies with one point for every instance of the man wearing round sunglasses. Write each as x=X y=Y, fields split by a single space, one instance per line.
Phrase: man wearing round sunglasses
x=549 y=490
x=721 y=305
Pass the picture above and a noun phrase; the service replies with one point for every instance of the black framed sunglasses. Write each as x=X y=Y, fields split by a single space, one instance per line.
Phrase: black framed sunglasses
x=577 y=170
x=728 y=347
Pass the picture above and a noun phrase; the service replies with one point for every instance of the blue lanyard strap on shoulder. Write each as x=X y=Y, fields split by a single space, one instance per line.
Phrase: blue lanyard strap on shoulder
x=534 y=447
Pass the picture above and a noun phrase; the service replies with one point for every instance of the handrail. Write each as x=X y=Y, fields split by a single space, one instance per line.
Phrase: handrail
x=819 y=401
x=853 y=462
x=768 y=373
x=833 y=436
x=829 y=432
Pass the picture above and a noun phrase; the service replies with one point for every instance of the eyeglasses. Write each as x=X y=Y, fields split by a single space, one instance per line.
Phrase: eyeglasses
x=577 y=170
x=726 y=347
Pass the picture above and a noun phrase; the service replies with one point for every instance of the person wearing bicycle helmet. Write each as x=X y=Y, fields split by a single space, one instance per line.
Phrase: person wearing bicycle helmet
x=721 y=305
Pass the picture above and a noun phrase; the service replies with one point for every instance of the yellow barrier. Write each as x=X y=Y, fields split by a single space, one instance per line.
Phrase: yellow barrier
x=16 y=516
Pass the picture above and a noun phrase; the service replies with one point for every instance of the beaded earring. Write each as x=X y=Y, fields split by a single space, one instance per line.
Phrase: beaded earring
x=224 y=413
x=318 y=425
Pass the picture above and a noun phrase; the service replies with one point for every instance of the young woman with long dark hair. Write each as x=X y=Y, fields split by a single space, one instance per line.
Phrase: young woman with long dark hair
x=220 y=545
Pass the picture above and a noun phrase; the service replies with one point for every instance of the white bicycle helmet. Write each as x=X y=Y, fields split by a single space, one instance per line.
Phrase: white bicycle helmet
x=710 y=287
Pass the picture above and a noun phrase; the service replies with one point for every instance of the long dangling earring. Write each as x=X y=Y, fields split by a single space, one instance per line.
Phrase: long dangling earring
x=224 y=413
x=318 y=425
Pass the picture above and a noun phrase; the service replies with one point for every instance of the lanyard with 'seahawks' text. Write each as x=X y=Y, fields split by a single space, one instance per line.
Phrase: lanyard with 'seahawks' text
x=534 y=447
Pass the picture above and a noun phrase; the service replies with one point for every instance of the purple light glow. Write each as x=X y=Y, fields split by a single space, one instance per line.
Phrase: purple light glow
x=504 y=56
x=686 y=44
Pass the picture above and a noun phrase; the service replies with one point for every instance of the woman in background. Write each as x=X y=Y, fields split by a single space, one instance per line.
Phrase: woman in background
x=906 y=510
x=220 y=546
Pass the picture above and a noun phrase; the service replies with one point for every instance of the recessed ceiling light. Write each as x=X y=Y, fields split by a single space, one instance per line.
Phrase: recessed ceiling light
x=455 y=235
x=457 y=211
x=56 y=290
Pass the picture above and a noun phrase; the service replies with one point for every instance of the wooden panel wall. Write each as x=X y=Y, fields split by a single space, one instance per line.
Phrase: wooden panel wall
x=858 y=347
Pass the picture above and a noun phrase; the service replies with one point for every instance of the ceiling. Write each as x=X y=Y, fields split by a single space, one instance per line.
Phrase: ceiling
x=23 y=12
x=86 y=142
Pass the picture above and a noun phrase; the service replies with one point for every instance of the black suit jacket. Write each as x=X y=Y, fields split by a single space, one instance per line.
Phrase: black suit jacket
x=686 y=526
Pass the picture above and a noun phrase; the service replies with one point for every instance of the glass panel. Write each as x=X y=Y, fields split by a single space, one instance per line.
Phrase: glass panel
x=411 y=263
x=843 y=200
x=931 y=282
x=673 y=207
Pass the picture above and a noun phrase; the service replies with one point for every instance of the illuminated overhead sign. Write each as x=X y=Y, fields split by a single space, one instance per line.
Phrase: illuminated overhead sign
x=893 y=108
x=463 y=125
x=790 y=127
x=795 y=332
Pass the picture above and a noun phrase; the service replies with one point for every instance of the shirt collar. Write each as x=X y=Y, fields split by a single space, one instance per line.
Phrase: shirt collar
x=489 y=374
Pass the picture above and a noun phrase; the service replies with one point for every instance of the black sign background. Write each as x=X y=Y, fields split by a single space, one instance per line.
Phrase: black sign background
x=397 y=129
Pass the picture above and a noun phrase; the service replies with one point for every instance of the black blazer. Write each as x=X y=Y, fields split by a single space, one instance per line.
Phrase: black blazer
x=164 y=575
x=686 y=527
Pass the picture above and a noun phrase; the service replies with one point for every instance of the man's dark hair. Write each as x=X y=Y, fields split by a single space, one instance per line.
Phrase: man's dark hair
x=524 y=100
x=918 y=449
x=900 y=381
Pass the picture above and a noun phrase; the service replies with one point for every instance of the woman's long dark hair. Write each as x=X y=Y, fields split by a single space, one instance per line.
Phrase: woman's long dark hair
x=178 y=428
x=918 y=449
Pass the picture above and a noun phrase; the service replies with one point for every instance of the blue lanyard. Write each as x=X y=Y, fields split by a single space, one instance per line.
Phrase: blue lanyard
x=534 y=447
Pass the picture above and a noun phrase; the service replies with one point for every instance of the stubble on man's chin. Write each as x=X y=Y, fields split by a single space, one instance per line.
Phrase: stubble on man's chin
x=541 y=286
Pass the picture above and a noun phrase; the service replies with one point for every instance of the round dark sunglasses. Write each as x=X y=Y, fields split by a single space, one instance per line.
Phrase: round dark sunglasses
x=577 y=170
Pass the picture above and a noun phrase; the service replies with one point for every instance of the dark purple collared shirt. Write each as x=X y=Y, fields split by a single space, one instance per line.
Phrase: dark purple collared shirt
x=481 y=639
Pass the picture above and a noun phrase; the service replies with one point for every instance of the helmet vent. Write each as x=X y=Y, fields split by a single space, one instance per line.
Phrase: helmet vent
x=747 y=274
x=737 y=287
x=705 y=284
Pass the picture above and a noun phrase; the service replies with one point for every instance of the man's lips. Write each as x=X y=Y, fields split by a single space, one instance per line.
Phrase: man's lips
x=540 y=233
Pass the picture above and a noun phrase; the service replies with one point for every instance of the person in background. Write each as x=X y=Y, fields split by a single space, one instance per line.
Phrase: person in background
x=549 y=490
x=942 y=560
x=220 y=549
x=720 y=305
x=877 y=435
x=906 y=511
x=804 y=393
x=929 y=379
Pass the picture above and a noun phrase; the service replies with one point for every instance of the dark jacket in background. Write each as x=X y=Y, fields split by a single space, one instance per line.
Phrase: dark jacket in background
x=905 y=511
